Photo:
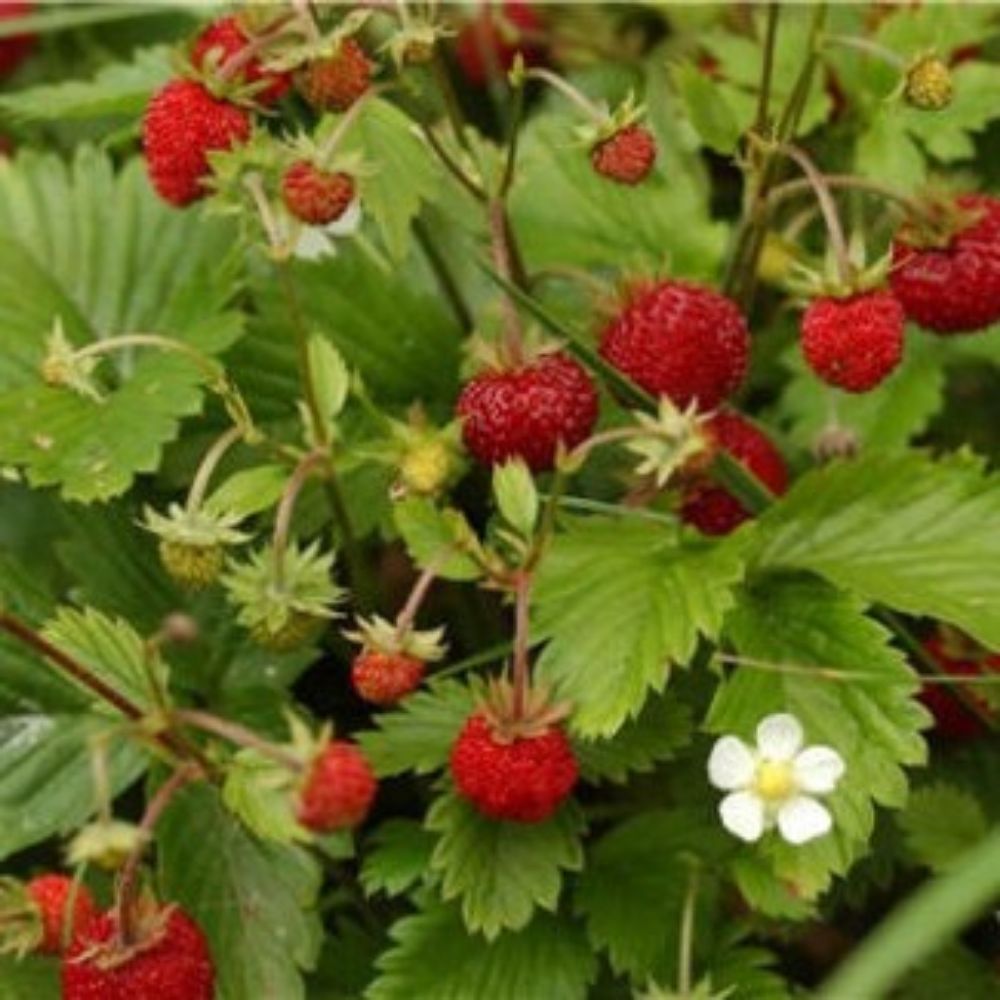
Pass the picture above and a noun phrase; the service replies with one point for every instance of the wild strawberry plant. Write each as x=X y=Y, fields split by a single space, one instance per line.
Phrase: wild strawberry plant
x=496 y=501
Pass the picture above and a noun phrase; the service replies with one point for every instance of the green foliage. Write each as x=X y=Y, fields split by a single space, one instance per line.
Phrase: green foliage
x=621 y=602
x=501 y=872
x=437 y=537
x=29 y=978
x=398 y=856
x=940 y=823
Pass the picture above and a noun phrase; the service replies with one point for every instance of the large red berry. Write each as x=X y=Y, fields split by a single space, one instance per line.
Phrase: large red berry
x=385 y=678
x=339 y=789
x=173 y=964
x=709 y=507
x=952 y=719
x=316 y=196
x=335 y=82
x=524 y=779
x=51 y=894
x=14 y=50
x=956 y=288
x=627 y=156
x=681 y=340
x=183 y=124
x=856 y=342
x=226 y=37
x=489 y=42
x=525 y=412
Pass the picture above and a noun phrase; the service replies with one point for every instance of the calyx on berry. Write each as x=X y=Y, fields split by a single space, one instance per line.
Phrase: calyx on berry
x=378 y=635
x=106 y=843
x=193 y=542
x=671 y=441
x=43 y=915
x=508 y=721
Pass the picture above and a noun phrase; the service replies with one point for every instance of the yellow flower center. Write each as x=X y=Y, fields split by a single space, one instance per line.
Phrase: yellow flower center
x=425 y=467
x=774 y=780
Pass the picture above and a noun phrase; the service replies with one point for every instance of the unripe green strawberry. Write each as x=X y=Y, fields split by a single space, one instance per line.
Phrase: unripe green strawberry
x=192 y=566
x=928 y=84
x=298 y=629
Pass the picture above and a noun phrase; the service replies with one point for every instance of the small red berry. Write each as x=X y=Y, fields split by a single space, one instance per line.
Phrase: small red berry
x=955 y=288
x=335 y=82
x=681 y=340
x=227 y=37
x=314 y=196
x=525 y=412
x=627 y=156
x=385 y=678
x=174 y=963
x=524 y=779
x=952 y=719
x=489 y=42
x=17 y=48
x=51 y=894
x=339 y=789
x=184 y=123
x=854 y=343
x=710 y=508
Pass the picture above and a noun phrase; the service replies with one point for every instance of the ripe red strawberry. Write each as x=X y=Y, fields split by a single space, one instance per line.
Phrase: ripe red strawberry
x=184 y=122
x=171 y=961
x=527 y=411
x=955 y=288
x=681 y=340
x=335 y=82
x=385 y=678
x=523 y=779
x=855 y=342
x=51 y=894
x=14 y=50
x=489 y=42
x=952 y=719
x=710 y=508
x=316 y=196
x=339 y=789
x=627 y=156
x=228 y=38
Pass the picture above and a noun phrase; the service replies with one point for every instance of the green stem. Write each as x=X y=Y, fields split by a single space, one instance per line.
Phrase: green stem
x=767 y=69
x=597 y=114
x=452 y=107
x=239 y=735
x=522 y=598
x=685 y=957
x=491 y=655
x=868 y=47
x=445 y=279
x=286 y=508
x=737 y=479
x=208 y=465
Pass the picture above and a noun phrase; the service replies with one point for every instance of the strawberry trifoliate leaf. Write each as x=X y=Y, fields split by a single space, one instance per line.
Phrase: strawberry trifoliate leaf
x=621 y=602
x=437 y=537
x=433 y=956
x=940 y=823
x=872 y=721
x=397 y=857
x=501 y=872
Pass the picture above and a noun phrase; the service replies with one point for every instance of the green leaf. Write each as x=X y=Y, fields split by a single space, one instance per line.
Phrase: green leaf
x=516 y=496
x=633 y=889
x=253 y=899
x=919 y=536
x=501 y=872
x=249 y=491
x=952 y=971
x=872 y=721
x=112 y=650
x=432 y=956
x=430 y=533
x=660 y=729
x=620 y=602
x=712 y=117
x=256 y=790
x=886 y=149
x=29 y=978
x=940 y=823
x=418 y=735
x=331 y=380
x=116 y=89
x=397 y=857
x=46 y=783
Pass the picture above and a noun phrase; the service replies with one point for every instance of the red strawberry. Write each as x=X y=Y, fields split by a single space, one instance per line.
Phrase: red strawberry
x=527 y=411
x=14 y=50
x=334 y=83
x=171 y=961
x=316 y=196
x=385 y=678
x=856 y=342
x=627 y=156
x=523 y=778
x=952 y=719
x=955 y=288
x=339 y=789
x=184 y=123
x=710 y=508
x=51 y=894
x=227 y=38
x=489 y=42
x=681 y=340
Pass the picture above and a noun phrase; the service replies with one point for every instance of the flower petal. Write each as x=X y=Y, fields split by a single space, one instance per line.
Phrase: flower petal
x=779 y=737
x=349 y=222
x=742 y=814
x=818 y=769
x=802 y=819
x=731 y=764
x=313 y=244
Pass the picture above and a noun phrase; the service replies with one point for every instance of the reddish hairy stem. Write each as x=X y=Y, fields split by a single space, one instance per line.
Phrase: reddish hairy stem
x=522 y=597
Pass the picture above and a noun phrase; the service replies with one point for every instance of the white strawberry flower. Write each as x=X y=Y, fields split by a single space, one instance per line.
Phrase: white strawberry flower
x=316 y=242
x=775 y=784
